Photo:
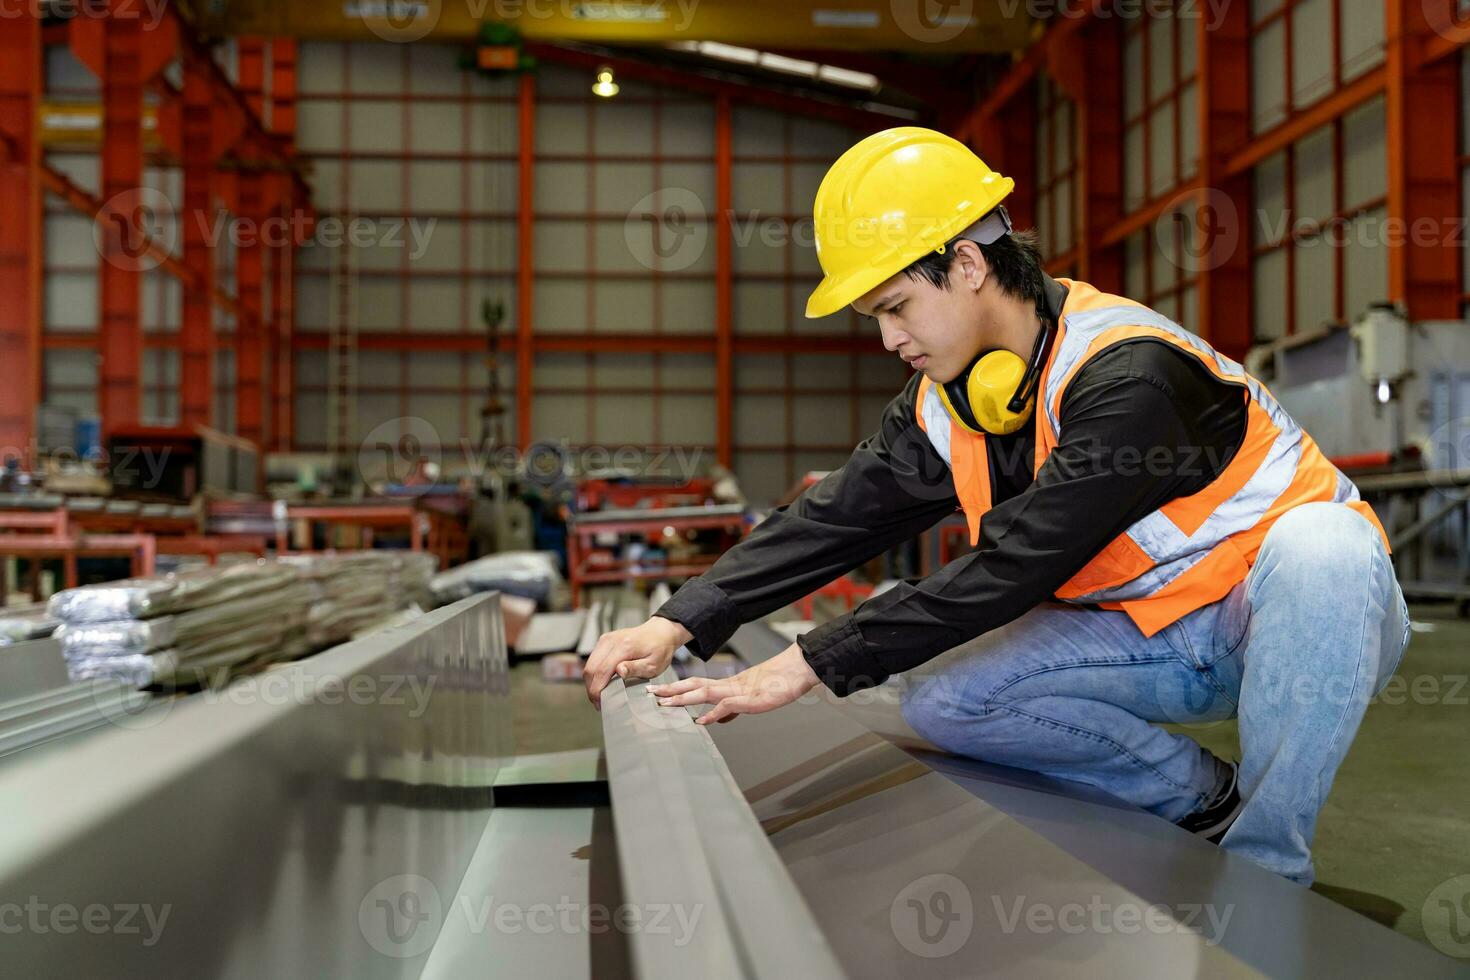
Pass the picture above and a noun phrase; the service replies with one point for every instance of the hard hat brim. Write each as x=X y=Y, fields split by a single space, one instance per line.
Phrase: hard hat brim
x=835 y=292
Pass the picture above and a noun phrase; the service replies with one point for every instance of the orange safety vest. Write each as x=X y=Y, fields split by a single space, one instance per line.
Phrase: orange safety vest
x=1193 y=550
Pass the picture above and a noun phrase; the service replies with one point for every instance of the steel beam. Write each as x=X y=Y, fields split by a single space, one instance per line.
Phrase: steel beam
x=852 y=25
x=1216 y=221
x=196 y=352
x=124 y=220
x=284 y=56
x=686 y=840
x=1099 y=141
x=863 y=120
x=525 y=258
x=1244 y=157
x=954 y=858
x=724 y=285
x=21 y=239
x=1423 y=167
x=610 y=343
x=250 y=340
x=1017 y=80
x=279 y=824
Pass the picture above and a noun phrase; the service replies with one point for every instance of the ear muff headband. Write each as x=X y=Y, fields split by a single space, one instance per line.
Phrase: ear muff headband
x=974 y=399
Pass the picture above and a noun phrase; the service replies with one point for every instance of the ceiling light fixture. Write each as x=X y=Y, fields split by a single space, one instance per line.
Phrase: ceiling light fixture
x=605 y=86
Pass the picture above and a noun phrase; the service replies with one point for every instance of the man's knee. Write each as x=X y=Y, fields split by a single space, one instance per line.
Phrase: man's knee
x=937 y=704
x=1320 y=542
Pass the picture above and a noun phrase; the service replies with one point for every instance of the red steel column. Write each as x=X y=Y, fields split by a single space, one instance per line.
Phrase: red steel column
x=250 y=268
x=1006 y=141
x=525 y=270
x=1221 y=250
x=1423 y=168
x=121 y=228
x=1087 y=65
x=196 y=341
x=20 y=232
x=724 y=307
x=283 y=290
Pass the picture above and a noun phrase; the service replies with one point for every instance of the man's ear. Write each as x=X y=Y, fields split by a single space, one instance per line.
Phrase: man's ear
x=969 y=264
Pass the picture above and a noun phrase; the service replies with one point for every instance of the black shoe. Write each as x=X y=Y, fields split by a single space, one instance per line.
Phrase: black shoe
x=1216 y=818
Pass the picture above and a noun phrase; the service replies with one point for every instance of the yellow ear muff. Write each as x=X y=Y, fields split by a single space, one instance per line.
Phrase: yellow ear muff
x=979 y=399
x=992 y=384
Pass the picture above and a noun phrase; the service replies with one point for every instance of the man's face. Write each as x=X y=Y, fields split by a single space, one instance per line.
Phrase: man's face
x=936 y=331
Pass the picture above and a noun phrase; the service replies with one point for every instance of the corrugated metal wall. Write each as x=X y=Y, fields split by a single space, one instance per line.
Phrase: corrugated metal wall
x=401 y=133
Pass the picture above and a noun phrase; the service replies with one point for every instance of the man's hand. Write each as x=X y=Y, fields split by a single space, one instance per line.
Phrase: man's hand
x=764 y=687
x=643 y=651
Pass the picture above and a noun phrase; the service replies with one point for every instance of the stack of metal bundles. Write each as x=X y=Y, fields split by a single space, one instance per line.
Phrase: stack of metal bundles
x=532 y=574
x=350 y=591
x=192 y=627
x=21 y=623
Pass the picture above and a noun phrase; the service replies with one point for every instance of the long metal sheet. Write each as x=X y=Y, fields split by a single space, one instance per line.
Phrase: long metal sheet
x=920 y=865
x=691 y=852
x=306 y=822
x=541 y=898
x=31 y=668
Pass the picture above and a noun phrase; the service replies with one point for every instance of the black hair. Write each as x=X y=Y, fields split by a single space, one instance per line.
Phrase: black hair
x=1014 y=260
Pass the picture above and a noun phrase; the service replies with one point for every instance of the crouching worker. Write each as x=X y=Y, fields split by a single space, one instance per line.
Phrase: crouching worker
x=1156 y=539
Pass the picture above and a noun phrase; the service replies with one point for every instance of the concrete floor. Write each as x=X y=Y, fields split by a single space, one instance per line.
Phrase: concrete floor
x=1396 y=826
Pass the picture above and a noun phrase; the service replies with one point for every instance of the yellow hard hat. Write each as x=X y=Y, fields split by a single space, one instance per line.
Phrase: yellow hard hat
x=890 y=200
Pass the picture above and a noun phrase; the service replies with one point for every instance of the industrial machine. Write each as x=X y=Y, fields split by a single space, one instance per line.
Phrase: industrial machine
x=1388 y=400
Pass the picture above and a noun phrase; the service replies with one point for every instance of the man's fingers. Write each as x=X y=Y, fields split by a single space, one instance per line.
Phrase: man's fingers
x=599 y=669
x=678 y=687
x=647 y=667
x=727 y=710
x=709 y=691
x=705 y=694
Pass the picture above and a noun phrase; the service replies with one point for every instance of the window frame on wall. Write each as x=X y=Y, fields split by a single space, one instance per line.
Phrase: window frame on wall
x=1058 y=188
x=793 y=385
x=1282 y=16
x=477 y=224
x=1302 y=232
x=1145 y=107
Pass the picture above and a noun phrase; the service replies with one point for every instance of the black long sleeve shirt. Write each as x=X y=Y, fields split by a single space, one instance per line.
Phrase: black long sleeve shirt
x=1141 y=424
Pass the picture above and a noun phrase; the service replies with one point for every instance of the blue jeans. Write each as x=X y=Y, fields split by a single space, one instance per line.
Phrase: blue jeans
x=1296 y=650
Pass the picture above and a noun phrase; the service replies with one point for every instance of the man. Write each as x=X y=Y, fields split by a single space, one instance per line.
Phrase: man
x=1157 y=540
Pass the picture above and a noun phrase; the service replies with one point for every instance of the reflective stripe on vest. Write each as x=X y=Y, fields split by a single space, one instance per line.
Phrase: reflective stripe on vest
x=1193 y=550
